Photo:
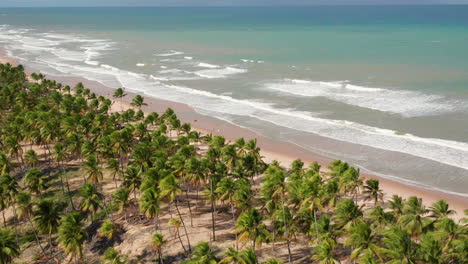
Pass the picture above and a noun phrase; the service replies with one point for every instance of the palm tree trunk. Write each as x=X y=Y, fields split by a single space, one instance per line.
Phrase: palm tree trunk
x=189 y=207
x=180 y=240
x=212 y=211
x=289 y=251
x=183 y=225
x=234 y=221
x=4 y=219
x=160 y=256
x=37 y=237
x=286 y=229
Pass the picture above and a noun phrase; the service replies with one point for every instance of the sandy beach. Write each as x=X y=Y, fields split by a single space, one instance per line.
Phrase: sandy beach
x=283 y=152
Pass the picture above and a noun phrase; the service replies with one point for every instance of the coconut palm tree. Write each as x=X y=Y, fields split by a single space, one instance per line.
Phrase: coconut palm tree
x=399 y=247
x=325 y=254
x=138 y=101
x=372 y=191
x=91 y=199
x=170 y=189
x=92 y=170
x=10 y=189
x=9 y=248
x=203 y=253
x=149 y=204
x=250 y=226
x=120 y=199
x=112 y=256
x=34 y=181
x=413 y=219
x=430 y=250
x=71 y=236
x=5 y=163
x=347 y=213
x=25 y=211
x=157 y=242
x=440 y=209
x=363 y=239
x=119 y=93
x=175 y=223
x=47 y=217
x=396 y=205
x=132 y=180
x=30 y=158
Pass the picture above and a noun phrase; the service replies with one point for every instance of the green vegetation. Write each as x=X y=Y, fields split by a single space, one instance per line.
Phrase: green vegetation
x=75 y=177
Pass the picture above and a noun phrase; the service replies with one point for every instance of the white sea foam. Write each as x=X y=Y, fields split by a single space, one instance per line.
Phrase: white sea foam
x=163 y=67
x=188 y=58
x=407 y=103
x=170 y=53
x=207 y=65
x=140 y=65
x=90 y=62
x=219 y=73
x=246 y=60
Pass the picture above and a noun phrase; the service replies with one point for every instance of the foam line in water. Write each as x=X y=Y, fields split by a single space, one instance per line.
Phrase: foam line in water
x=406 y=103
x=207 y=65
x=170 y=53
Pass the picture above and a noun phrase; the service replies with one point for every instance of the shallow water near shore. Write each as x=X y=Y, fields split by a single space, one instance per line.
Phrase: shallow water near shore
x=387 y=94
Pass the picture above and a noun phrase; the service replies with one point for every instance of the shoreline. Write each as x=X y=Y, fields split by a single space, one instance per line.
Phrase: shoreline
x=271 y=149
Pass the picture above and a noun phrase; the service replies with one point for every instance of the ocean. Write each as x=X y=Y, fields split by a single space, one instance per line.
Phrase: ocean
x=383 y=87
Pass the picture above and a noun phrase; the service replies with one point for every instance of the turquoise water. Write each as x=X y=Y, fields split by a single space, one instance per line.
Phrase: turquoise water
x=345 y=82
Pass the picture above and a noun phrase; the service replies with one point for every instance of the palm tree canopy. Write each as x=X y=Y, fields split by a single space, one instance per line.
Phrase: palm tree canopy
x=9 y=249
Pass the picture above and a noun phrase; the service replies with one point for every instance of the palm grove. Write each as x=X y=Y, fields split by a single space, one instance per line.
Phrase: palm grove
x=61 y=148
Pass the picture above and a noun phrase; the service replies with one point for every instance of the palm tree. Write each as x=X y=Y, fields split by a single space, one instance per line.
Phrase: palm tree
x=413 y=221
x=175 y=223
x=440 y=209
x=149 y=204
x=203 y=253
x=120 y=94
x=25 y=211
x=232 y=256
x=30 y=158
x=108 y=230
x=34 y=180
x=92 y=170
x=448 y=231
x=120 y=199
x=10 y=189
x=138 y=101
x=157 y=242
x=372 y=191
x=170 y=189
x=132 y=180
x=399 y=246
x=112 y=256
x=325 y=254
x=114 y=167
x=9 y=249
x=363 y=239
x=246 y=256
x=396 y=205
x=5 y=163
x=91 y=199
x=47 y=217
x=431 y=250
x=250 y=226
x=71 y=236
x=347 y=212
